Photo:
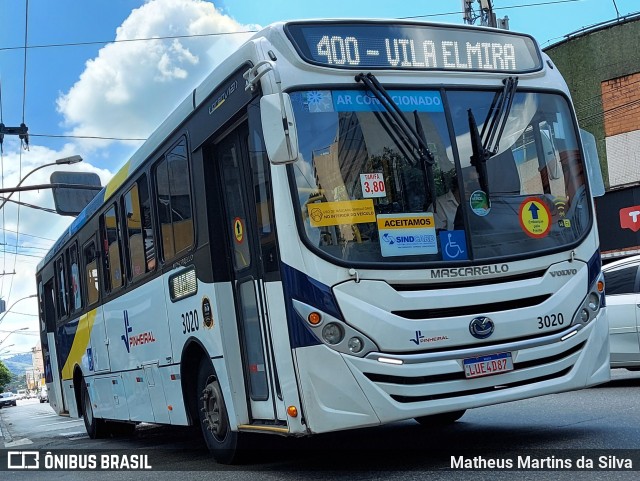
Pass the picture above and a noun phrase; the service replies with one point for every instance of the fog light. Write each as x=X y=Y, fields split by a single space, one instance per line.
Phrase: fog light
x=594 y=301
x=332 y=333
x=584 y=315
x=355 y=345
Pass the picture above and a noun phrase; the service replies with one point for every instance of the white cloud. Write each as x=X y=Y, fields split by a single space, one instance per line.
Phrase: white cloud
x=36 y=231
x=130 y=87
x=126 y=91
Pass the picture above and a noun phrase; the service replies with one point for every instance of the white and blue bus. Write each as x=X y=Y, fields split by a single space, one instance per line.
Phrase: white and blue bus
x=348 y=223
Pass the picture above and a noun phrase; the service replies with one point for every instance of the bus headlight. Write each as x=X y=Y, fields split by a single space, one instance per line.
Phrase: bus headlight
x=333 y=332
x=584 y=315
x=594 y=301
x=591 y=304
x=355 y=345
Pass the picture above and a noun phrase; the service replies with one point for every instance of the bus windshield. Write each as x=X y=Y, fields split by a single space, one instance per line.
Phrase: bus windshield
x=362 y=196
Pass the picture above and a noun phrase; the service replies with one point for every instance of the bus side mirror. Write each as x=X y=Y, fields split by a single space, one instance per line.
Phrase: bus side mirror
x=279 y=128
x=594 y=171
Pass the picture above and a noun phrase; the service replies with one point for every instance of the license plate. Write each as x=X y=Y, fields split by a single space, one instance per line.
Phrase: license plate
x=488 y=365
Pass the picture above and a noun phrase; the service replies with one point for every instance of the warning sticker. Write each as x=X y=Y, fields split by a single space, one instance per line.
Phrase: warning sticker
x=238 y=229
x=535 y=217
x=407 y=234
x=344 y=212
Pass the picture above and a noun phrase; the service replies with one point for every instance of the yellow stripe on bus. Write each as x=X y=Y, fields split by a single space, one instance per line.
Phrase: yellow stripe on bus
x=116 y=181
x=80 y=343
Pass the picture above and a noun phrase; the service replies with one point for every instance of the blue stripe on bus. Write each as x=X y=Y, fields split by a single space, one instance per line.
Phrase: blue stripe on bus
x=297 y=285
x=595 y=267
x=65 y=335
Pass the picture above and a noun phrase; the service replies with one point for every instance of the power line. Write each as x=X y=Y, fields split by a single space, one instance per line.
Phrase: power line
x=31 y=206
x=125 y=40
x=28 y=247
x=29 y=235
x=19 y=254
x=217 y=34
x=494 y=8
x=57 y=136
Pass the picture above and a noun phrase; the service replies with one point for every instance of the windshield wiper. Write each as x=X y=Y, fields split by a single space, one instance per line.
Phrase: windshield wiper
x=413 y=136
x=487 y=143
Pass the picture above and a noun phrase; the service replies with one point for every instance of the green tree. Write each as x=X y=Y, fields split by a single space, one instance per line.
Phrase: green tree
x=5 y=376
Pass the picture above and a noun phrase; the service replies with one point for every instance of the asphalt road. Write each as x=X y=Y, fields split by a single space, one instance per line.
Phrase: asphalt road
x=600 y=424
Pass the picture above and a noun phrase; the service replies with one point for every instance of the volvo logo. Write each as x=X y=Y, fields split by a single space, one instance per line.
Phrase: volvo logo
x=481 y=327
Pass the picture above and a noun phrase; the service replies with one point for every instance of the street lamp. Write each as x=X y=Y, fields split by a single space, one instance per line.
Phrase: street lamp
x=74 y=159
x=11 y=332
x=5 y=348
x=12 y=305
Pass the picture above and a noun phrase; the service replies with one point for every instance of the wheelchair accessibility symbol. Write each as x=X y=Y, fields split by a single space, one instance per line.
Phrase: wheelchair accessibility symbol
x=453 y=244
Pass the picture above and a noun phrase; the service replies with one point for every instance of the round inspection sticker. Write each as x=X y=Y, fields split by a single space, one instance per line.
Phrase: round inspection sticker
x=535 y=217
x=480 y=203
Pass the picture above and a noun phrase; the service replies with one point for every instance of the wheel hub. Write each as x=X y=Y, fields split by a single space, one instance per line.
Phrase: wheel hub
x=214 y=418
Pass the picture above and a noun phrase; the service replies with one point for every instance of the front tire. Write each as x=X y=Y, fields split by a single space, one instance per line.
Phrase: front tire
x=222 y=442
x=442 y=419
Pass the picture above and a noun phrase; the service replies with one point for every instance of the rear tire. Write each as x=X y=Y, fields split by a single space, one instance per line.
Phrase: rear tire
x=442 y=419
x=95 y=427
x=222 y=442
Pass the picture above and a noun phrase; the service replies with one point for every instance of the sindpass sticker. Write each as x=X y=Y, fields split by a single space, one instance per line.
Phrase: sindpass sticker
x=407 y=234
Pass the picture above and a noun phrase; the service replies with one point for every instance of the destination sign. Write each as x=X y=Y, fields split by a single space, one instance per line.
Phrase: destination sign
x=415 y=47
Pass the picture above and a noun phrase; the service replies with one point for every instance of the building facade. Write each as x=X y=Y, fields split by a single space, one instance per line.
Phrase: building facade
x=601 y=65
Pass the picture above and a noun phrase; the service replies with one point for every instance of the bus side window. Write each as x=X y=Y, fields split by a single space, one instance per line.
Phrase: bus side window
x=74 y=279
x=139 y=232
x=61 y=288
x=92 y=281
x=111 y=250
x=173 y=198
x=147 y=226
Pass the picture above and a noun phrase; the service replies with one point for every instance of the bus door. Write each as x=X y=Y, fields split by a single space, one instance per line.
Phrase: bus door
x=52 y=368
x=241 y=218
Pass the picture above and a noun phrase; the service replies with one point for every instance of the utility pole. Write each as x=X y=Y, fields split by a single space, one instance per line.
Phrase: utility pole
x=484 y=13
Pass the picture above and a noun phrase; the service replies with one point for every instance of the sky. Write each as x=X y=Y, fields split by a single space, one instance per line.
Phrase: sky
x=84 y=87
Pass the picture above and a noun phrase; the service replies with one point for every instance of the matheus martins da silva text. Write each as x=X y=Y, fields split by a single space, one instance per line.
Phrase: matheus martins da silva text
x=547 y=462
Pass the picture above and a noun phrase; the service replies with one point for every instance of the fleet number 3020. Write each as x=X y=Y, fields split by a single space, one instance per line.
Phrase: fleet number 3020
x=190 y=322
x=552 y=320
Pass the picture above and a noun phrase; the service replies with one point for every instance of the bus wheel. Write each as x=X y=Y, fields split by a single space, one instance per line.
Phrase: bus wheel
x=95 y=427
x=214 y=421
x=442 y=419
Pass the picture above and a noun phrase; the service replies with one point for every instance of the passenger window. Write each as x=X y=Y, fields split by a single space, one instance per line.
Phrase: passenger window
x=174 y=201
x=147 y=226
x=111 y=249
x=139 y=230
x=61 y=288
x=92 y=280
x=621 y=281
x=74 y=271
